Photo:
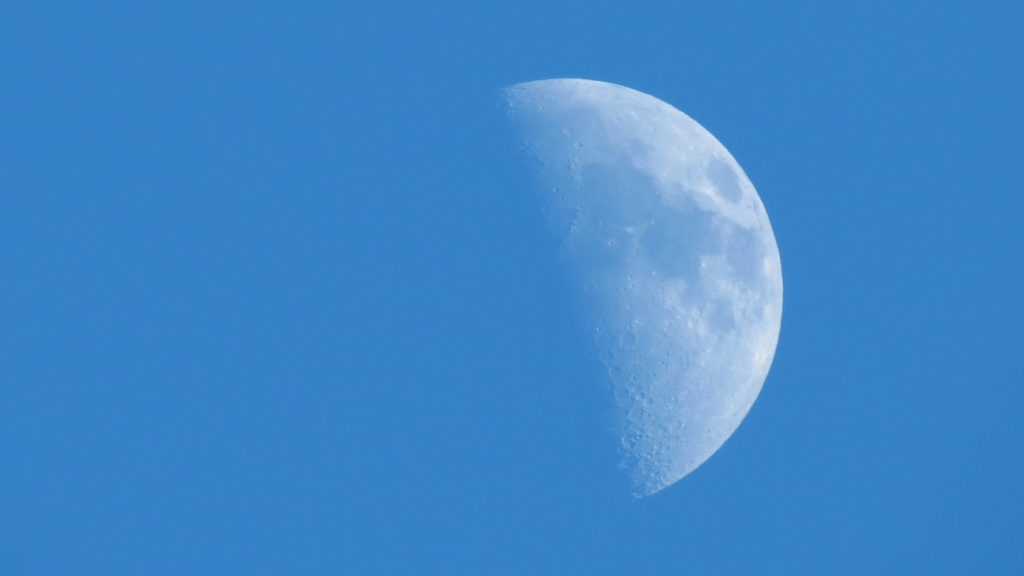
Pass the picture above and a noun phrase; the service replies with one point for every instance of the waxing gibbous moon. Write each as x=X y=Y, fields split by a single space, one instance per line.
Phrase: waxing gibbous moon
x=676 y=260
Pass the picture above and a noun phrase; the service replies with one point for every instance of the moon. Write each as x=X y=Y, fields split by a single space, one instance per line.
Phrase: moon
x=676 y=262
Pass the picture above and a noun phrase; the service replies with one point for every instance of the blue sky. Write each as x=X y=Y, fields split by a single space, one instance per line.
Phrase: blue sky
x=275 y=297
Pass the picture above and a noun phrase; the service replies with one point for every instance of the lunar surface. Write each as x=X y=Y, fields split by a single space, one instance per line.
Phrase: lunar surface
x=677 y=264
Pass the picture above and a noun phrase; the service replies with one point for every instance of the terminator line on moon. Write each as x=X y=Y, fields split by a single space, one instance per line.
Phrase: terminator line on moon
x=676 y=261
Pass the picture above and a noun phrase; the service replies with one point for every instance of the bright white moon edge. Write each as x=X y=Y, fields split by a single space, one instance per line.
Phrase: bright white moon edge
x=676 y=262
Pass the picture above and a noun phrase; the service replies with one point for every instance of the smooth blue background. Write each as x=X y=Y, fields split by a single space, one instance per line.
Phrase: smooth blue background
x=275 y=297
